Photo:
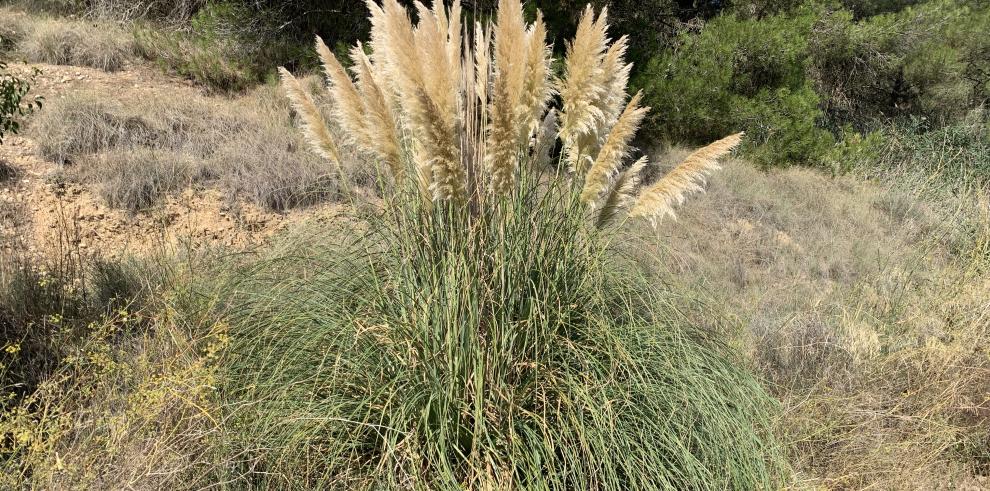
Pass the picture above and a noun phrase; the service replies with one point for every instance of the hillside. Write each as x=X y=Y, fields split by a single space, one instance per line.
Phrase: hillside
x=189 y=295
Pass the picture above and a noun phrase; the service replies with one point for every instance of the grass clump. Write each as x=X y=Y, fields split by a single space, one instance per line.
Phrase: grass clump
x=514 y=350
x=85 y=124
x=67 y=42
x=136 y=179
x=135 y=151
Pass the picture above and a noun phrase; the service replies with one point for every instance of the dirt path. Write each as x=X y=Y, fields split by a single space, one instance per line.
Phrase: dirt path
x=42 y=210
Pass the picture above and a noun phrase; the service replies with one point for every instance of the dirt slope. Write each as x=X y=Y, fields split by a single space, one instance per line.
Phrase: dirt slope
x=44 y=210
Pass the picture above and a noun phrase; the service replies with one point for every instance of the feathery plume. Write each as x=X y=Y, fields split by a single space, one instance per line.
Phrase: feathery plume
x=537 y=89
x=416 y=64
x=616 y=78
x=394 y=49
x=347 y=103
x=503 y=147
x=381 y=129
x=441 y=154
x=315 y=129
x=510 y=49
x=505 y=140
x=659 y=200
x=621 y=193
x=482 y=62
x=582 y=86
x=616 y=148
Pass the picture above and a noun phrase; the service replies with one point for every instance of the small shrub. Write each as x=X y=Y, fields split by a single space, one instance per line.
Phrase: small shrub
x=63 y=42
x=13 y=91
x=277 y=172
x=137 y=178
x=212 y=64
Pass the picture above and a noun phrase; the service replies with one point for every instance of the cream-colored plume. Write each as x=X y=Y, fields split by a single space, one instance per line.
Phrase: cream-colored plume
x=348 y=106
x=467 y=111
x=422 y=66
x=314 y=127
x=504 y=142
x=582 y=89
x=537 y=89
x=381 y=128
x=659 y=200
x=615 y=149
x=622 y=193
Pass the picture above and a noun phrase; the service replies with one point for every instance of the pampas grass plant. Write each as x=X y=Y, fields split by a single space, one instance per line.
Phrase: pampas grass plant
x=477 y=333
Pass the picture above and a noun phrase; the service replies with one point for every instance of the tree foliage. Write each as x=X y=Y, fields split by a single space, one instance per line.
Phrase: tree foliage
x=13 y=103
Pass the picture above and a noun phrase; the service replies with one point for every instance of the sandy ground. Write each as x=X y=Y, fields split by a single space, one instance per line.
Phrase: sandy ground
x=43 y=211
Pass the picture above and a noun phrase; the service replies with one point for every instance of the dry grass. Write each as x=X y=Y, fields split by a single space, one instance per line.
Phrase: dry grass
x=75 y=42
x=13 y=26
x=122 y=10
x=864 y=307
x=136 y=149
x=136 y=178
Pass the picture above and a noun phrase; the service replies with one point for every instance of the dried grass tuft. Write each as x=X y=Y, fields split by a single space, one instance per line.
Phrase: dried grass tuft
x=73 y=42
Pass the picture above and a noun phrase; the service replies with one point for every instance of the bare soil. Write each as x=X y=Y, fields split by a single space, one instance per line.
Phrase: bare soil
x=44 y=209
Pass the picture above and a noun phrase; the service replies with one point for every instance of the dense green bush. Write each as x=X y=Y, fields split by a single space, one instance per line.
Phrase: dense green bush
x=796 y=78
x=740 y=74
x=922 y=61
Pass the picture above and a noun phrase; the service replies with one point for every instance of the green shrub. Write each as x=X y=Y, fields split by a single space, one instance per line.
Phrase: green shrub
x=13 y=91
x=215 y=64
x=923 y=60
x=228 y=47
x=740 y=74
